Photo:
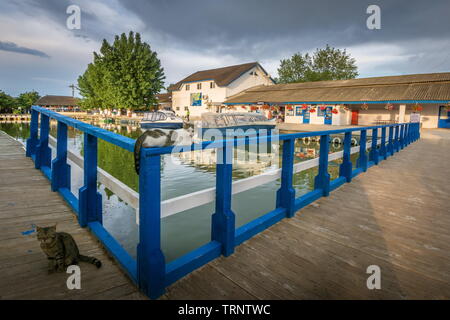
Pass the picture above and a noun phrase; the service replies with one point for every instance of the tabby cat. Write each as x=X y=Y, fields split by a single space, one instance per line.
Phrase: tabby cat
x=61 y=249
x=161 y=138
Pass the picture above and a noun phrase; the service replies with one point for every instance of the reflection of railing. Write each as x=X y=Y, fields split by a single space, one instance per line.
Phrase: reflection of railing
x=150 y=270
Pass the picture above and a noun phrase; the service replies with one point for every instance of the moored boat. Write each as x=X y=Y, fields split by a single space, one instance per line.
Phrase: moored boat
x=161 y=119
x=236 y=123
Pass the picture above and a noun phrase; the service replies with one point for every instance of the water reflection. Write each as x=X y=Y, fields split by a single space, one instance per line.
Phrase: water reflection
x=190 y=172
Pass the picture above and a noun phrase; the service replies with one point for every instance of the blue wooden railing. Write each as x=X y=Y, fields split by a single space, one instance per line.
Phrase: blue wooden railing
x=150 y=271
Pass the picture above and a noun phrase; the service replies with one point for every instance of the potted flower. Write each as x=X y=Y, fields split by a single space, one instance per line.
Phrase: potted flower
x=389 y=106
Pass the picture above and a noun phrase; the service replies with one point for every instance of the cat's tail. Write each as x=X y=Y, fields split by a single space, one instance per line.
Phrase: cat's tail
x=92 y=260
x=137 y=151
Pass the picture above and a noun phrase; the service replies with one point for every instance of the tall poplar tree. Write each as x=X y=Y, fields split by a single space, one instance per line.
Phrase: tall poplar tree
x=126 y=74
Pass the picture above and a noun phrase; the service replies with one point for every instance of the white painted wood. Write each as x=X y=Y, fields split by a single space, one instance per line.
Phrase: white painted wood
x=195 y=199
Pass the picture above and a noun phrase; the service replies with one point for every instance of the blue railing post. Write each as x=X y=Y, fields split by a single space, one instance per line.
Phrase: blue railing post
x=401 y=140
x=286 y=193
x=383 y=150
x=396 y=143
x=345 y=169
x=362 y=160
x=406 y=135
x=151 y=265
x=90 y=201
x=32 y=141
x=418 y=130
x=322 y=180
x=60 y=168
x=223 y=220
x=43 y=151
x=409 y=133
x=391 y=141
x=374 y=154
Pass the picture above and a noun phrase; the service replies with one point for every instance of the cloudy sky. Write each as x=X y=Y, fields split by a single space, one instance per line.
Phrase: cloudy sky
x=38 y=51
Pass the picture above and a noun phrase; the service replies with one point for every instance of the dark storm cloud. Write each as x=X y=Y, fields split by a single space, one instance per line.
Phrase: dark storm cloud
x=55 y=11
x=12 y=47
x=233 y=24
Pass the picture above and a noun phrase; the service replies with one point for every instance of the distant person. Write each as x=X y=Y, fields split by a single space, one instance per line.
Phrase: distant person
x=187 y=115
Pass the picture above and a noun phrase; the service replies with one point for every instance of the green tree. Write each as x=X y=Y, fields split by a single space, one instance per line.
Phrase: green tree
x=7 y=103
x=27 y=99
x=125 y=74
x=325 y=64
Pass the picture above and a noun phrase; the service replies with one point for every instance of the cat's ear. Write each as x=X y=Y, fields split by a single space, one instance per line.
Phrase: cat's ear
x=53 y=227
x=37 y=228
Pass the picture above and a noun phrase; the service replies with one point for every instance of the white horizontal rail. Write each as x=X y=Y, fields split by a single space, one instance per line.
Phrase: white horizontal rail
x=119 y=188
x=195 y=199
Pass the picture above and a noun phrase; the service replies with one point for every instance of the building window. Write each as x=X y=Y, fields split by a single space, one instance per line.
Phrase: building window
x=188 y=87
x=186 y=108
x=178 y=108
x=199 y=86
x=212 y=85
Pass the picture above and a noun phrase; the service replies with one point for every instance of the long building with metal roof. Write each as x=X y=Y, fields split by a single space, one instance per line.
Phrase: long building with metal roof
x=356 y=101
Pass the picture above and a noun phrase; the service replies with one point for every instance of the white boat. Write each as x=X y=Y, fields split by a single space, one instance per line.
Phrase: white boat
x=164 y=119
x=235 y=121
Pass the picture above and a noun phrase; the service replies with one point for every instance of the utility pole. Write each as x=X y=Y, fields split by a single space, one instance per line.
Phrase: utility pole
x=73 y=89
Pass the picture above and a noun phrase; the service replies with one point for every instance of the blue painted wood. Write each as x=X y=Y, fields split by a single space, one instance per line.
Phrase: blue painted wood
x=356 y=172
x=307 y=198
x=223 y=220
x=286 y=193
x=336 y=183
x=184 y=265
x=322 y=180
x=150 y=271
x=90 y=201
x=70 y=199
x=43 y=152
x=345 y=169
x=33 y=140
x=47 y=171
x=391 y=141
x=115 y=249
x=60 y=168
x=400 y=138
x=362 y=160
x=114 y=138
x=406 y=134
x=258 y=225
x=383 y=149
x=151 y=266
x=374 y=153
x=396 y=134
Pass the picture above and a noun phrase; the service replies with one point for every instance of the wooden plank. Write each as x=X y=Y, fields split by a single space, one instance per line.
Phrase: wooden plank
x=26 y=199
x=395 y=216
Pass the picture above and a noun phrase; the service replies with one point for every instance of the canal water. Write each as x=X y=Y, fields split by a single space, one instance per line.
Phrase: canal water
x=190 y=172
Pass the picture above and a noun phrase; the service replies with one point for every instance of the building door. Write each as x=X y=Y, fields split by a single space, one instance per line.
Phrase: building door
x=444 y=117
x=328 y=116
x=355 y=114
x=305 y=114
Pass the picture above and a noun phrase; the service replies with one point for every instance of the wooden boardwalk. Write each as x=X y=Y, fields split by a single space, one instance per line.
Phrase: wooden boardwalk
x=26 y=199
x=396 y=216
